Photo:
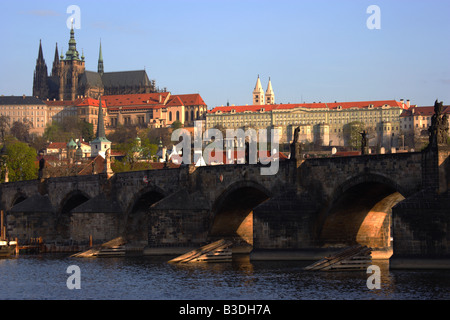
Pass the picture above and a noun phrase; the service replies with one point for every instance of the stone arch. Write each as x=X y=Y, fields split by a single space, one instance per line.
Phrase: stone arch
x=63 y=219
x=137 y=213
x=232 y=213
x=18 y=198
x=72 y=200
x=359 y=212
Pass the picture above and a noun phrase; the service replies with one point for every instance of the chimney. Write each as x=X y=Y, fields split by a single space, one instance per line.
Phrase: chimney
x=407 y=103
x=160 y=98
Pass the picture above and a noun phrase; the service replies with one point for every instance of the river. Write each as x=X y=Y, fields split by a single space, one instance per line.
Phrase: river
x=46 y=277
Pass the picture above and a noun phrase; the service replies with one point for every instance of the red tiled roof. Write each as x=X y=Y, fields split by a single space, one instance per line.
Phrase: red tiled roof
x=193 y=99
x=319 y=105
x=135 y=99
x=174 y=101
x=422 y=111
x=90 y=102
x=64 y=103
x=57 y=145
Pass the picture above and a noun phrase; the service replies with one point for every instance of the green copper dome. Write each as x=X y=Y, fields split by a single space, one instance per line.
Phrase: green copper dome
x=72 y=144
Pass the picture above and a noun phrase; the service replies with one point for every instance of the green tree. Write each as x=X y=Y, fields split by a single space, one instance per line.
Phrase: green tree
x=87 y=130
x=21 y=162
x=352 y=134
x=176 y=125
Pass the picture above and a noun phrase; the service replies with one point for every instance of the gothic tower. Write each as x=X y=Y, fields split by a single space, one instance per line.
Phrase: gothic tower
x=40 y=78
x=258 y=93
x=56 y=63
x=100 y=61
x=270 y=96
x=72 y=67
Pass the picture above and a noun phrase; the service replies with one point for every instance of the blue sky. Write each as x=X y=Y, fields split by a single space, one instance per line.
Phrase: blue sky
x=315 y=50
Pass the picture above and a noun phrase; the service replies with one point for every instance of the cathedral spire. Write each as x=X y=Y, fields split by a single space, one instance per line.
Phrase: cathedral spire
x=72 y=53
x=40 y=77
x=40 y=54
x=55 y=68
x=100 y=60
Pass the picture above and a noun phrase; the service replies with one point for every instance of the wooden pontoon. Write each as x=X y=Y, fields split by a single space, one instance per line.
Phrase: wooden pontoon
x=218 y=251
x=355 y=258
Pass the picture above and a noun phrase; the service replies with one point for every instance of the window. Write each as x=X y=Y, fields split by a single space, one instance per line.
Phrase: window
x=170 y=116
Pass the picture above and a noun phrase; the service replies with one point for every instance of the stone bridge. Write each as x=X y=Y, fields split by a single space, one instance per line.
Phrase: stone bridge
x=395 y=203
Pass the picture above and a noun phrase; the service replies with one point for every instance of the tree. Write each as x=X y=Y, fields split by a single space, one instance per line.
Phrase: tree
x=4 y=126
x=352 y=134
x=21 y=131
x=87 y=130
x=176 y=125
x=21 y=162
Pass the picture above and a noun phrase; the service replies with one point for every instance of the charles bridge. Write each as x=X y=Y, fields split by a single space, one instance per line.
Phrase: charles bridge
x=396 y=203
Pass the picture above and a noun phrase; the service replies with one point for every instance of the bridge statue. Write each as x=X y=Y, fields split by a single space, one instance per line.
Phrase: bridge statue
x=439 y=126
x=364 y=144
x=295 y=146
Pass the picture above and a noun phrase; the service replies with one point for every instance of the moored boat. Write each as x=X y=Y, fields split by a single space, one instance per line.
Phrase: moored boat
x=7 y=248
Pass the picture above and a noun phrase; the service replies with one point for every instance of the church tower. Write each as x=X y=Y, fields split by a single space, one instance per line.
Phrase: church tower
x=100 y=61
x=270 y=96
x=40 y=78
x=72 y=67
x=258 y=93
x=100 y=144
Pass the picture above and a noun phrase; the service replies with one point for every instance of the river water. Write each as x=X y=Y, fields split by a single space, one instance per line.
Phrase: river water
x=45 y=277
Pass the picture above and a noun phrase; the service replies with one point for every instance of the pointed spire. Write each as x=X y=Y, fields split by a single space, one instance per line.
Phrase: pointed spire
x=72 y=53
x=100 y=121
x=269 y=87
x=258 y=84
x=270 y=95
x=40 y=54
x=100 y=60
x=258 y=93
x=55 y=67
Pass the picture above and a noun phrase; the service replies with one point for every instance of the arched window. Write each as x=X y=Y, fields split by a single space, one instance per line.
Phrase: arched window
x=170 y=116
x=186 y=116
x=178 y=115
x=192 y=115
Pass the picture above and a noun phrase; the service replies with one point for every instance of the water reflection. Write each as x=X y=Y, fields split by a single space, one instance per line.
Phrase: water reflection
x=44 y=277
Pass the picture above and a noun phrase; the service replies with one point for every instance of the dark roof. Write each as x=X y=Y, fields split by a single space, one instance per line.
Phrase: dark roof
x=35 y=203
x=20 y=100
x=125 y=78
x=91 y=78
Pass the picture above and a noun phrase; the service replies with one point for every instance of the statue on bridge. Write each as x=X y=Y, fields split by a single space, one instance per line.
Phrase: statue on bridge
x=439 y=126
x=364 y=144
x=295 y=145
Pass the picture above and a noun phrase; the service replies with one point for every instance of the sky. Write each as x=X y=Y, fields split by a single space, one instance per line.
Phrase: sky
x=312 y=50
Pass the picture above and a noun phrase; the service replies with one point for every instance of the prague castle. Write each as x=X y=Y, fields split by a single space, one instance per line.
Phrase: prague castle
x=70 y=80
x=324 y=124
